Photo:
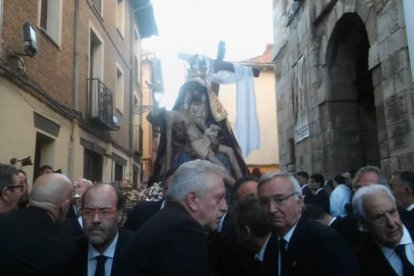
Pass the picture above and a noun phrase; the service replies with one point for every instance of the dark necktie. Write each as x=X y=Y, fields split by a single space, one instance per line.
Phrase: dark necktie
x=408 y=268
x=282 y=250
x=100 y=265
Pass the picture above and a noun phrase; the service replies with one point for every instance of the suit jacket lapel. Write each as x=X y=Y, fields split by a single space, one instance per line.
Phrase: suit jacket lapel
x=294 y=246
x=122 y=239
x=381 y=263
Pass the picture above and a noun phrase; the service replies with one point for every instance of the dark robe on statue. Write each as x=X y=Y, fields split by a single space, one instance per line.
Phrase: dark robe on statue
x=225 y=137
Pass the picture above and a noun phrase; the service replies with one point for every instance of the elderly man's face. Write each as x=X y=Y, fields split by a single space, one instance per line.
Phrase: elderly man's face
x=382 y=219
x=366 y=179
x=212 y=206
x=282 y=206
x=100 y=216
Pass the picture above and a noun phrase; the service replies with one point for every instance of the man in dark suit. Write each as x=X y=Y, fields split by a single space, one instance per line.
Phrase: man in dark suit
x=100 y=250
x=299 y=246
x=320 y=197
x=349 y=226
x=253 y=230
x=31 y=241
x=173 y=241
x=390 y=248
x=224 y=248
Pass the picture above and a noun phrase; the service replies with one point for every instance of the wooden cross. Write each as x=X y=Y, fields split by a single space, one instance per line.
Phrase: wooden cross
x=219 y=64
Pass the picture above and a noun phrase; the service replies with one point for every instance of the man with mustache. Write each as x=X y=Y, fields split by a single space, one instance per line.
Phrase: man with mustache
x=299 y=246
x=101 y=212
x=389 y=250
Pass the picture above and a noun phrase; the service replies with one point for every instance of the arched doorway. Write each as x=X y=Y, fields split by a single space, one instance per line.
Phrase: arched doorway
x=349 y=122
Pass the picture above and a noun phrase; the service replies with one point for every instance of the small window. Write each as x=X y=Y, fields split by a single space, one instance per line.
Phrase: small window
x=120 y=16
x=119 y=100
x=50 y=18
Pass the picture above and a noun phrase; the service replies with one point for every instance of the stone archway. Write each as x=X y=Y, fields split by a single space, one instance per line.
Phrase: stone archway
x=348 y=116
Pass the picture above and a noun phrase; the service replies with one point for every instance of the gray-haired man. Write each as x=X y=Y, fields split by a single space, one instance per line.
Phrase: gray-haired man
x=389 y=250
x=173 y=241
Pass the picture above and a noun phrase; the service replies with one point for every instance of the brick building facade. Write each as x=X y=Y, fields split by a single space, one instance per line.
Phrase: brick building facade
x=345 y=92
x=72 y=104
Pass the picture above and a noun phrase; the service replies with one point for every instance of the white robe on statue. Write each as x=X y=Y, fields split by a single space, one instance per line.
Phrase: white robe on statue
x=247 y=125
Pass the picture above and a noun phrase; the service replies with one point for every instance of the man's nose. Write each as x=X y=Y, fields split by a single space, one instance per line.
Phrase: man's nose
x=272 y=206
x=223 y=206
x=96 y=218
x=390 y=220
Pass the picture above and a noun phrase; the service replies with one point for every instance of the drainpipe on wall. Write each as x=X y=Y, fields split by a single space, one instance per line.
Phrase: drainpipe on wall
x=131 y=97
x=75 y=85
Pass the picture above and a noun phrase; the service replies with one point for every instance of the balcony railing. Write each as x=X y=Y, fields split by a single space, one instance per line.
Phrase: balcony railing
x=100 y=104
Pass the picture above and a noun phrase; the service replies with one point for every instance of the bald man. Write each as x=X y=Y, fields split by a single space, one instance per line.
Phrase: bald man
x=31 y=241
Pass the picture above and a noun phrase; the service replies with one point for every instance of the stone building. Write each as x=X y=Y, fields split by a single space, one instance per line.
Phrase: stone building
x=345 y=91
x=70 y=104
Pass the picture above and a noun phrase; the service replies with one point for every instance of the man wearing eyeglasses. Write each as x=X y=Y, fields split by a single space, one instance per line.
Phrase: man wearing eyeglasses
x=101 y=213
x=299 y=246
x=10 y=188
x=389 y=250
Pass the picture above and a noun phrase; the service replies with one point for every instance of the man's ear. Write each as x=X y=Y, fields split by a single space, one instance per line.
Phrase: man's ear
x=408 y=190
x=4 y=195
x=120 y=216
x=300 y=199
x=245 y=232
x=65 y=205
x=192 y=201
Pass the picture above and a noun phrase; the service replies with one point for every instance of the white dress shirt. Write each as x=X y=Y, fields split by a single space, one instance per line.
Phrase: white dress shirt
x=392 y=256
x=259 y=256
x=109 y=253
x=339 y=197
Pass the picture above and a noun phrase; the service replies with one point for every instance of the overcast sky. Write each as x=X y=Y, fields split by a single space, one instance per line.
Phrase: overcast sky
x=197 y=26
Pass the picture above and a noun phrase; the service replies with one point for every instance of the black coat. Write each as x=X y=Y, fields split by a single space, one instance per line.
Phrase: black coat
x=32 y=244
x=371 y=259
x=141 y=213
x=82 y=259
x=314 y=249
x=171 y=243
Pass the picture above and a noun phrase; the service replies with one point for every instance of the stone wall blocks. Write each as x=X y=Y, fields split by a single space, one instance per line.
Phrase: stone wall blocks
x=371 y=27
x=406 y=161
x=393 y=43
x=390 y=165
x=378 y=4
x=387 y=20
x=373 y=56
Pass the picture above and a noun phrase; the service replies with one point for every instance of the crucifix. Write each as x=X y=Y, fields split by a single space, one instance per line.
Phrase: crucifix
x=219 y=64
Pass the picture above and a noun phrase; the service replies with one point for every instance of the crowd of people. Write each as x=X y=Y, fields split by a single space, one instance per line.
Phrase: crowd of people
x=357 y=223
